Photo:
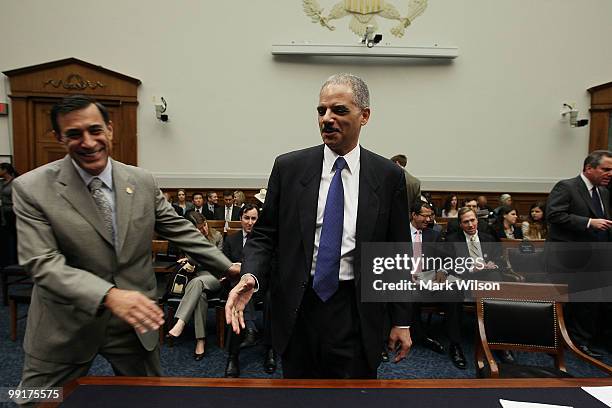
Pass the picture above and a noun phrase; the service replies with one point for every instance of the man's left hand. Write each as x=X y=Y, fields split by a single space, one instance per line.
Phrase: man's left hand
x=400 y=342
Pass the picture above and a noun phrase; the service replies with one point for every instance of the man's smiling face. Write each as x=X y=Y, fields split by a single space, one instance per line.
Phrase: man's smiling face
x=87 y=139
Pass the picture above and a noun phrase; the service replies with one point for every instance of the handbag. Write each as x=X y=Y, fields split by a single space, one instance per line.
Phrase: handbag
x=180 y=279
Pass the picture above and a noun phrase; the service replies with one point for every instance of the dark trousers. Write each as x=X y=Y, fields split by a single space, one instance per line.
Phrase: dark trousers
x=326 y=340
x=452 y=312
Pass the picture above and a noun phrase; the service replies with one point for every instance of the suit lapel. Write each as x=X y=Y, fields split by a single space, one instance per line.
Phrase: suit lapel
x=124 y=197
x=72 y=188
x=367 y=210
x=307 y=197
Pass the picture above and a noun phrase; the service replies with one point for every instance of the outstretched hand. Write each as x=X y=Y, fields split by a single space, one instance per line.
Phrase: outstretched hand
x=236 y=302
x=136 y=309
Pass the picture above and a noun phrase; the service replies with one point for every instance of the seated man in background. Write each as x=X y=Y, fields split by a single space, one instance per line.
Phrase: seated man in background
x=232 y=248
x=470 y=242
x=420 y=233
x=453 y=225
x=228 y=212
x=198 y=204
x=211 y=205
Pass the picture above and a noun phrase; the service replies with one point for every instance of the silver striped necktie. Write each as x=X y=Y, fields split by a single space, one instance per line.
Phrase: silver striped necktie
x=104 y=206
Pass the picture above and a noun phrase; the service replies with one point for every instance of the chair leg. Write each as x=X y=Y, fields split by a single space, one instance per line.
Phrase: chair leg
x=13 y=319
x=220 y=324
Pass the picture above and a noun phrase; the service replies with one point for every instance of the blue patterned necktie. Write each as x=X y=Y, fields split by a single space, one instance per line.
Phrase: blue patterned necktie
x=327 y=269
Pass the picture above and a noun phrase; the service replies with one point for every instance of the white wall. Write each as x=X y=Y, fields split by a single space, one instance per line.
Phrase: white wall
x=488 y=121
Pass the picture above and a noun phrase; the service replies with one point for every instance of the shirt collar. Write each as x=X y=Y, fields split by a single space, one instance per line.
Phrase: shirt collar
x=106 y=176
x=469 y=237
x=413 y=230
x=352 y=159
x=588 y=183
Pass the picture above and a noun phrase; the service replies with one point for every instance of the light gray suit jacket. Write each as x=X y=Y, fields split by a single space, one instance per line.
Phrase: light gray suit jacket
x=64 y=245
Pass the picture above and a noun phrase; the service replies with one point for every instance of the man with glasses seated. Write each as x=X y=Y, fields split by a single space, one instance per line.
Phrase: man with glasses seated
x=420 y=234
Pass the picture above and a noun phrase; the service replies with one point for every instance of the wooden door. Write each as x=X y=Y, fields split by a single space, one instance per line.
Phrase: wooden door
x=35 y=89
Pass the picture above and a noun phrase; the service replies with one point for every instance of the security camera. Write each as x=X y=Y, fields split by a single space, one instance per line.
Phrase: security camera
x=369 y=38
x=570 y=110
x=160 y=109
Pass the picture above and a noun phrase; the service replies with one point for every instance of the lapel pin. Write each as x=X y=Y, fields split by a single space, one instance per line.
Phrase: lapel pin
x=129 y=190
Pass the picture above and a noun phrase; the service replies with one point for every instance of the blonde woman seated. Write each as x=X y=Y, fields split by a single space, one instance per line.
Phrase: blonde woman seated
x=195 y=299
x=535 y=227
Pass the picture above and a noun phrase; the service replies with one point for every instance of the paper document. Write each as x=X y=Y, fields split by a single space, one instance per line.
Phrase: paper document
x=522 y=404
x=603 y=394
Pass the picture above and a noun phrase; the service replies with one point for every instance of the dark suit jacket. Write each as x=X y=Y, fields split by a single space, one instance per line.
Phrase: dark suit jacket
x=220 y=213
x=569 y=208
x=210 y=215
x=232 y=247
x=287 y=225
x=431 y=239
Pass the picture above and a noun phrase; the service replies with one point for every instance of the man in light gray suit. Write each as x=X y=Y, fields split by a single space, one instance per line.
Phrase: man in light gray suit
x=85 y=224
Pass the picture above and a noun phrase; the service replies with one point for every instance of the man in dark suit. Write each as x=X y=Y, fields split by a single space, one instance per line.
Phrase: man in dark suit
x=419 y=232
x=228 y=212
x=198 y=204
x=233 y=249
x=88 y=251
x=578 y=210
x=470 y=242
x=453 y=226
x=211 y=205
x=315 y=217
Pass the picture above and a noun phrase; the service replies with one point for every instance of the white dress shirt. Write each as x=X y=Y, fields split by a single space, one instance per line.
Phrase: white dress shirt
x=350 y=182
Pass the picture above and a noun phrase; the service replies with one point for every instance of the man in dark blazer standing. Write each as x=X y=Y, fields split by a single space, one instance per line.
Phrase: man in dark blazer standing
x=322 y=203
x=578 y=210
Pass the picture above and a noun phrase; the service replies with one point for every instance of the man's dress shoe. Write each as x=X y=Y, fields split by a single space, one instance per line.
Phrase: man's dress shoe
x=506 y=356
x=232 y=370
x=456 y=356
x=433 y=344
x=250 y=338
x=270 y=361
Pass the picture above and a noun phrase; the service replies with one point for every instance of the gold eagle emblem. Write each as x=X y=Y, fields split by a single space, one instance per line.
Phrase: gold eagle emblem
x=364 y=13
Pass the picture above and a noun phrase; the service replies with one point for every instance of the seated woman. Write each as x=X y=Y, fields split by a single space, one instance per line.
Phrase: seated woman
x=195 y=299
x=450 y=207
x=535 y=227
x=504 y=227
x=182 y=202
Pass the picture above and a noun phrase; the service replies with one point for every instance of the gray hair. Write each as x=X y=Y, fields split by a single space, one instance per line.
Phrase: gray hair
x=594 y=158
x=361 y=94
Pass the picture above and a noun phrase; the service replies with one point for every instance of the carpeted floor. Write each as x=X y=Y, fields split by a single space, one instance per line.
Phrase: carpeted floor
x=178 y=360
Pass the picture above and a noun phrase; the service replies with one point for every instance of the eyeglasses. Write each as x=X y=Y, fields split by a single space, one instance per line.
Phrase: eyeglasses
x=426 y=215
